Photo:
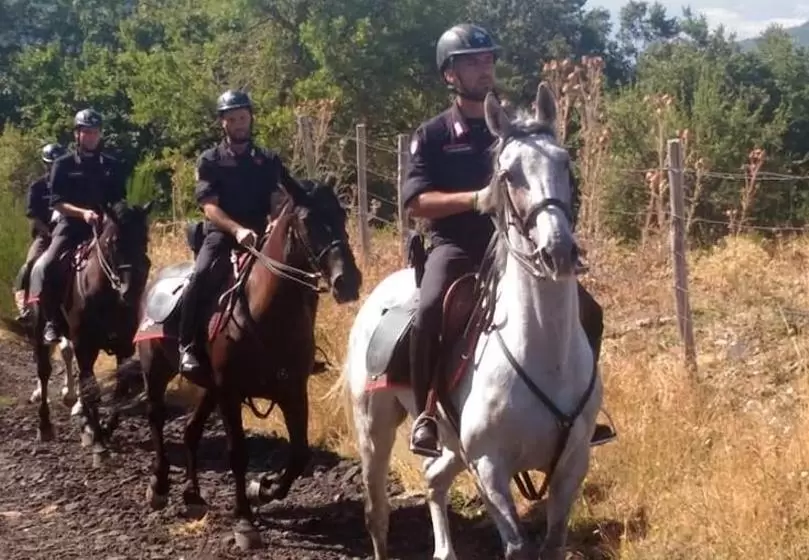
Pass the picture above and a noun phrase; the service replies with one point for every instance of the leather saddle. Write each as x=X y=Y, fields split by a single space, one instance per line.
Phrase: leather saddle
x=163 y=297
x=388 y=349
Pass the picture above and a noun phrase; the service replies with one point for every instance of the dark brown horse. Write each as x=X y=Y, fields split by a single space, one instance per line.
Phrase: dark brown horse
x=104 y=279
x=260 y=343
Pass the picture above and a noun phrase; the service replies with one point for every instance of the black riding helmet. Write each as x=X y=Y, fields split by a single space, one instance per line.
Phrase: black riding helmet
x=233 y=99
x=461 y=39
x=87 y=118
x=52 y=152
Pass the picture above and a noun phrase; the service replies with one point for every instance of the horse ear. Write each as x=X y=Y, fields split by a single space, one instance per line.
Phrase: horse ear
x=545 y=105
x=496 y=118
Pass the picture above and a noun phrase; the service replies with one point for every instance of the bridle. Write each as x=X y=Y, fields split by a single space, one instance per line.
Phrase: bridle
x=305 y=278
x=532 y=261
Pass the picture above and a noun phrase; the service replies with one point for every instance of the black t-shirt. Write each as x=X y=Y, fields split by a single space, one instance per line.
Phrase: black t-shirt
x=243 y=183
x=38 y=202
x=450 y=153
x=87 y=181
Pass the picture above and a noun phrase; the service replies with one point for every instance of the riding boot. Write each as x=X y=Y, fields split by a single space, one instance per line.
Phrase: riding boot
x=424 y=435
x=189 y=361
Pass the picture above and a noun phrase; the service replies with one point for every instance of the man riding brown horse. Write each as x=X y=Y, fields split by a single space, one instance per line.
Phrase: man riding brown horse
x=38 y=212
x=82 y=184
x=448 y=172
x=235 y=183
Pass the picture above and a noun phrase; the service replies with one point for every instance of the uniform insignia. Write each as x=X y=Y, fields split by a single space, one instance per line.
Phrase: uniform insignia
x=414 y=146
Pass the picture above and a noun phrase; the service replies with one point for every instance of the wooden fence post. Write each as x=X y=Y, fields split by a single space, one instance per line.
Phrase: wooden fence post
x=404 y=223
x=678 y=254
x=305 y=130
x=362 y=191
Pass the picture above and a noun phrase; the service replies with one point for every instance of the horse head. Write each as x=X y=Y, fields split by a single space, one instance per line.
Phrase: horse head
x=321 y=227
x=123 y=246
x=532 y=186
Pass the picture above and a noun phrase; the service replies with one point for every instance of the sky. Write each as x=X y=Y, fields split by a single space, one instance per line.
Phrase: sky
x=748 y=18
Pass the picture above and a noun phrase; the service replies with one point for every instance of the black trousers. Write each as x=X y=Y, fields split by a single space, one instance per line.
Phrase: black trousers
x=37 y=248
x=67 y=235
x=211 y=268
x=445 y=263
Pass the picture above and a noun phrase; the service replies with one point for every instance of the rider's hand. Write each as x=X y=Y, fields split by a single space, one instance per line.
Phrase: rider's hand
x=90 y=217
x=246 y=237
x=484 y=201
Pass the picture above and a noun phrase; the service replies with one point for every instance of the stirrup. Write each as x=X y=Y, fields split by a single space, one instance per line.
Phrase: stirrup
x=189 y=361
x=604 y=433
x=420 y=421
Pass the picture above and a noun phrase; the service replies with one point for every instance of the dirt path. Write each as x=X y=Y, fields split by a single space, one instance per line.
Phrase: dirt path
x=55 y=506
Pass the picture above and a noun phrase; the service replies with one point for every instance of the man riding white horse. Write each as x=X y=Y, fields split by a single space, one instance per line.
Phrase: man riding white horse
x=448 y=172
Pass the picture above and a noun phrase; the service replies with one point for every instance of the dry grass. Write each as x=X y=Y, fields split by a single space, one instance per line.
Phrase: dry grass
x=715 y=467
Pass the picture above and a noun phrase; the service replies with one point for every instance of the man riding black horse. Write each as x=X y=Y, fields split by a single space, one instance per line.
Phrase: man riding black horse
x=235 y=183
x=82 y=184
x=449 y=170
x=38 y=211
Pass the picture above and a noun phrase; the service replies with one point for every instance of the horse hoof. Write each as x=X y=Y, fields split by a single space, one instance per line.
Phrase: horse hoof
x=45 y=434
x=247 y=537
x=77 y=408
x=86 y=437
x=195 y=506
x=69 y=399
x=100 y=457
x=156 y=501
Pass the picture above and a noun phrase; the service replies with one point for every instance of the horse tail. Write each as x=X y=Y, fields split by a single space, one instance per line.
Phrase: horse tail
x=339 y=395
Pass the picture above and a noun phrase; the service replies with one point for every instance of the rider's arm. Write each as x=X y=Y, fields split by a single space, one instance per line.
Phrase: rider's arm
x=207 y=195
x=423 y=198
x=58 y=186
x=37 y=205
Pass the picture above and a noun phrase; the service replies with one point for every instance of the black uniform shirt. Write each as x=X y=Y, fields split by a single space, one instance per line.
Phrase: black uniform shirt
x=243 y=183
x=38 y=202
x=87 y=181
x=449 y=153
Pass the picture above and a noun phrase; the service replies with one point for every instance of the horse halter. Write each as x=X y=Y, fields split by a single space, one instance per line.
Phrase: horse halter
x=533 y=262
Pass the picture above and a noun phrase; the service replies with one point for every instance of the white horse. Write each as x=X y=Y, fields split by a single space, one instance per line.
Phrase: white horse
x=534 y=357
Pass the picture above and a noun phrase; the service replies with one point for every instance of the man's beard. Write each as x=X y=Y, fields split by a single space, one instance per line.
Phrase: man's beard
x=241 y=138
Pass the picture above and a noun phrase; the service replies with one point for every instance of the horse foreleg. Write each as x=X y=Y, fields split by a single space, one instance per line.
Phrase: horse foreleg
x=564 y=485
x=193 y=433
x=42 y=357
x=156 y=378
x=69 y=396
x=90 y=394
x=295 y=408
x=495 y=480
x=440 y=473
x=230 y=405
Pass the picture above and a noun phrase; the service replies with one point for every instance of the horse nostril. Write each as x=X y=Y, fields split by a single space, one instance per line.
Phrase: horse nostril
x=338 y=282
